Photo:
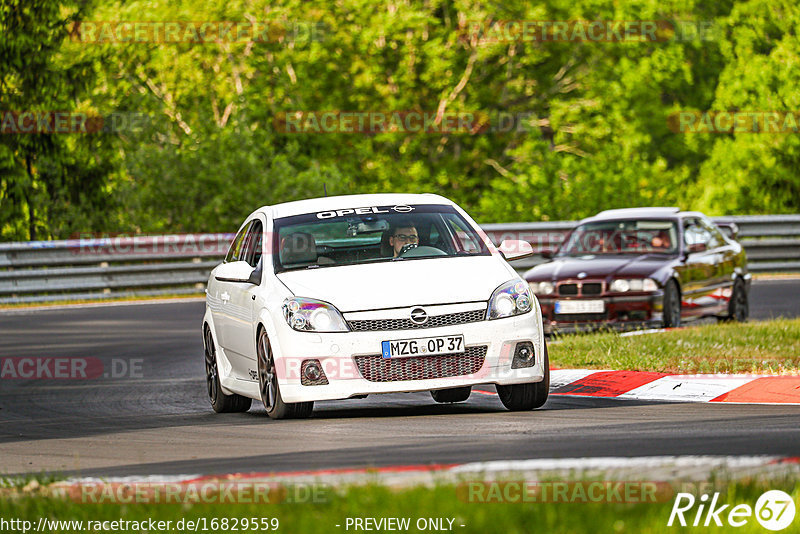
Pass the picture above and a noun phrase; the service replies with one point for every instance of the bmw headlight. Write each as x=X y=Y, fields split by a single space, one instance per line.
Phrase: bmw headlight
x=635 y=284
x=512 y=298
x=542 y=288
x=310 y=315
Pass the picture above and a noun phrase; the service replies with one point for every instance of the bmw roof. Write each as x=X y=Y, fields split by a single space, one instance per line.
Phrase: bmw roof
x=635 y=213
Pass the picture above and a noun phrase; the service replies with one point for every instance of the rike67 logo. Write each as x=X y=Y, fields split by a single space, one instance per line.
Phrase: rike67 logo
x=774 y=510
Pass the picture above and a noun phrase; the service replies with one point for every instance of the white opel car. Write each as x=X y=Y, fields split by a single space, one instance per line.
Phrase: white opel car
x=348 y=296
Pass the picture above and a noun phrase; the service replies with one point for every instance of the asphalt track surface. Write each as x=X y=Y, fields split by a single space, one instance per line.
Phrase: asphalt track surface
x=160 y=422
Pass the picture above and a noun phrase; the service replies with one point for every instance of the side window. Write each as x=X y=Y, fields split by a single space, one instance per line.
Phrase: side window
x=253 y=244
x=234 y=253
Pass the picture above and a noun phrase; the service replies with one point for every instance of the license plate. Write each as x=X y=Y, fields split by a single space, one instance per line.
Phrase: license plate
x=580 y=306
x=426 y=346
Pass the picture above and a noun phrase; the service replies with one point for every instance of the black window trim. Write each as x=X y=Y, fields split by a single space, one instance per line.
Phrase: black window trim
x=243 y=231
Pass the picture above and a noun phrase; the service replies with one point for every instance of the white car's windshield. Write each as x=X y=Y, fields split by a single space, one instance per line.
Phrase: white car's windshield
x=373 y=234
x=641 y=236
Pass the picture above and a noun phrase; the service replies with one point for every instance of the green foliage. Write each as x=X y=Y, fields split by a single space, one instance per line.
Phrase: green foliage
x=592 y=132
x=496 y=507
x=763 y=347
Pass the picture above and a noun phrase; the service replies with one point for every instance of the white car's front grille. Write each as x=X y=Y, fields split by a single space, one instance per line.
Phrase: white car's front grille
x=434 y=321
x=378 y=369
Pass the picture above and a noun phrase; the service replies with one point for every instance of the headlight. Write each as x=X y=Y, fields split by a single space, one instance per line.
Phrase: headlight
x=512 y=298
x=310 y=315
x=542 y=288
x=635 y=284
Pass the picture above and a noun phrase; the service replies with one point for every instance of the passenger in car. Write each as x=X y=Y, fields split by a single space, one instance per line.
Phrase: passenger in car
x=661 y=240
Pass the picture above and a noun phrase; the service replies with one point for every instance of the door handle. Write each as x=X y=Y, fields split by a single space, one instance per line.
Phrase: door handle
x=225 y=296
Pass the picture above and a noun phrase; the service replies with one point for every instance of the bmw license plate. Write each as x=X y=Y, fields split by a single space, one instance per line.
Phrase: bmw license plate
x=580 y=306
x=426 y=346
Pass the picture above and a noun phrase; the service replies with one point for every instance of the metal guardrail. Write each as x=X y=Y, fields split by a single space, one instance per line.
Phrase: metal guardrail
x=88 y=269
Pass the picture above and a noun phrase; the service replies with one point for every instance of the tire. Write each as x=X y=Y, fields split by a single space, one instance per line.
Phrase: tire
x=220 y=402
x=269 y=387
x=452 y=394
x=672 y=305
x=738 y=307
x=524 y=397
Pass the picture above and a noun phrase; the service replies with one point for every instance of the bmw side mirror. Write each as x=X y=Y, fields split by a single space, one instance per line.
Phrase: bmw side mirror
x=730 y=229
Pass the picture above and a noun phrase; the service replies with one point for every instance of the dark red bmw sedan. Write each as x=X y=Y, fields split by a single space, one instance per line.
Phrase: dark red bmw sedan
x=642 y=267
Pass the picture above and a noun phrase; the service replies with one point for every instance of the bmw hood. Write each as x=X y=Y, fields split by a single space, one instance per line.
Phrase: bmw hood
x=396 y=284
x=598 y=267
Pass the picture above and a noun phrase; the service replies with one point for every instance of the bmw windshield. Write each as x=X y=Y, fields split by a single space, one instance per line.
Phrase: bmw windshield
x=373 y=234
x=641 y=236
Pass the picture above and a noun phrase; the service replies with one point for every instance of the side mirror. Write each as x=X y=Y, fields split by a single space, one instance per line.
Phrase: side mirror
x=547 y=254
x=515 y=249
x=697 y=247
x=235 y=271
x=730 y=229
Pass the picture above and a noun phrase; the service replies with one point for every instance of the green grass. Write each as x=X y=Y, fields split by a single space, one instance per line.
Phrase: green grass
x=755 y=347
x=418 y=502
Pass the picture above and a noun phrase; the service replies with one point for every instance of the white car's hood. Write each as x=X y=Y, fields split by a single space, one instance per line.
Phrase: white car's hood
x=401 y=283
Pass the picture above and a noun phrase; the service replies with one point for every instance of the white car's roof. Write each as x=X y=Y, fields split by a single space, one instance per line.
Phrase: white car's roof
x=314 y=205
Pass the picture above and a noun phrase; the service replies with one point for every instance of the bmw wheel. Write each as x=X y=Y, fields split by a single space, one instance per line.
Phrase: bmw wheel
x=738 y=307
x=523 y=397
x=220 y=402
x=672 y=305
x=270 y=389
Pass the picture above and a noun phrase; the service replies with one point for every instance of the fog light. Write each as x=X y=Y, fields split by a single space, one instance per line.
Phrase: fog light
x=312 y=371
x=523 y=355
x=311 y=374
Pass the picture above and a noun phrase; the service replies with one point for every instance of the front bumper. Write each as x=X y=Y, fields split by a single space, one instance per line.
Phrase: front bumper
x=621 y=313
x=337 y=354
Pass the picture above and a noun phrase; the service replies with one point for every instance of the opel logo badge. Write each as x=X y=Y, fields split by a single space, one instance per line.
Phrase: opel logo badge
x=419 y=316
x=402 y=208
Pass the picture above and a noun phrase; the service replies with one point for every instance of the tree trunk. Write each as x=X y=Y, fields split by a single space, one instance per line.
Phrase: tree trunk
x=31 y=211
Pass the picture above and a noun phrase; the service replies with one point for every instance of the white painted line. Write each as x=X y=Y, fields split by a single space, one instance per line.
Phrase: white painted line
x=686 y=388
